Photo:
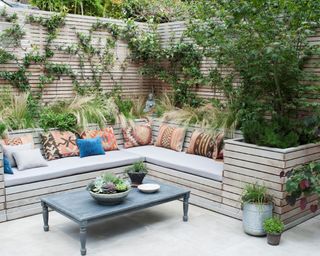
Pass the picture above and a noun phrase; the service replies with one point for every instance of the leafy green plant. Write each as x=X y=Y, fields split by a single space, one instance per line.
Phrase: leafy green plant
x=108 y=183
x=137 y=167
x=301 y=183
x=255 y=194
x=62 y=121
x=12 y=35
x=273 y=226
x=3 y=129
x=265 y=44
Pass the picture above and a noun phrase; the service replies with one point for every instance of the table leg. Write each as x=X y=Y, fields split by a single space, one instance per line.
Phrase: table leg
x=185 y=206
x=83 y=237
x=45 y=215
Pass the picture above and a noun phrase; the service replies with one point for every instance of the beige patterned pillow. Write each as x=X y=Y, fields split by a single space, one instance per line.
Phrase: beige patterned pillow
x=18 y=140
x=139 y=135
x=171 y=137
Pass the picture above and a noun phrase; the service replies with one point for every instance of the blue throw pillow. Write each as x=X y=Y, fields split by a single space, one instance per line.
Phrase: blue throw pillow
x=7 y=166
x=90 y=147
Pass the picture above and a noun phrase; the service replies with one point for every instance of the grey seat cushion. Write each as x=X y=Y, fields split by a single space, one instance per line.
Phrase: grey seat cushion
x=72 y=165
x=188 y=163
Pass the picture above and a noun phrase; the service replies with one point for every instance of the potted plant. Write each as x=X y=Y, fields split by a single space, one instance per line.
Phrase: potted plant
x=274 y=228
x=109 y=189
x=257 y=207
x=136 y=173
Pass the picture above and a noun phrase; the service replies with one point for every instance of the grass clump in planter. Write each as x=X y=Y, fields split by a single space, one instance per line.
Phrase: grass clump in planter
x=274 y=228
x=137 y=172
x=255 y=194
x=257 y=207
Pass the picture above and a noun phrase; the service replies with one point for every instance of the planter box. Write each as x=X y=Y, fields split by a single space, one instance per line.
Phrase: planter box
x=247 y=163
x=2 y=194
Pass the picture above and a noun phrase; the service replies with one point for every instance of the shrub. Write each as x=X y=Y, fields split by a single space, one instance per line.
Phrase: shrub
x=62 y=121
x=273 y=226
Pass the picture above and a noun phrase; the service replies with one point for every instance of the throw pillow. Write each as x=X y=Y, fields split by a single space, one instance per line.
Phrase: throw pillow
x=28 y=159
x=206 y=145
x=109 y=141
x=90 y=147
x=18 y=140
x=9 y=150
x=57 y=144
x=171 y=137
x=139 y=135
x=7 y=166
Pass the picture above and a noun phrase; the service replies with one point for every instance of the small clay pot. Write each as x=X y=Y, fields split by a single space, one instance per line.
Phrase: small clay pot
x=273 y=239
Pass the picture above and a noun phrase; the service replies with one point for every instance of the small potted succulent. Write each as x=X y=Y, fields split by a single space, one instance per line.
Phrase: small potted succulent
x=136 y=173
x=274 y=228
x=108 y=189
x=257 y=207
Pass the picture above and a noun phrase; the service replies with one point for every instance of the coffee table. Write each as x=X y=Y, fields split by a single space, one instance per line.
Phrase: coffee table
x=81 y=208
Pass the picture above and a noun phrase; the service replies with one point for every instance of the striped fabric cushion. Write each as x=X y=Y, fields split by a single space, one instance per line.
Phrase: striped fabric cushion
x=171 y=137
x=206 y=145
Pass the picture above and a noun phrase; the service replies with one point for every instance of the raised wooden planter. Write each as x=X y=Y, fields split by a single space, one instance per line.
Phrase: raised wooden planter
x=2 y=194
x=247 y=163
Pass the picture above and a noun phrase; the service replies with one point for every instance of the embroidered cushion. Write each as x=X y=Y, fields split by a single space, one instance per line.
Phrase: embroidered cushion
x=18 y=140
x=109 y=141
x=57 y=144
x=171 y=137
x=90 y=147
x=204 y=144
x=139 y=135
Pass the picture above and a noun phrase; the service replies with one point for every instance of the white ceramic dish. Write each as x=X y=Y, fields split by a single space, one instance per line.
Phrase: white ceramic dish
x=149 y=188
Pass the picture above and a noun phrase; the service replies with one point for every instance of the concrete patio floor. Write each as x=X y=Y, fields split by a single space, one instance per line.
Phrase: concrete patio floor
x=158 y=231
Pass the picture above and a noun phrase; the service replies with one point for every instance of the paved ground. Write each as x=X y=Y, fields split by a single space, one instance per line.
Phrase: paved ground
x=158 y=231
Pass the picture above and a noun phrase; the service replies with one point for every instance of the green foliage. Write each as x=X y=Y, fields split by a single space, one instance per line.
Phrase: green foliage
x=302 y=182
x=273 y=226
x=16 y=111
x=3 y=129
x=138 y=10
x=137 y=167
x=62 y=121
x=7 y=17
x=265 y=43
x=256 y=194
x=12 y=35
x=5 y=56
x=18 y=79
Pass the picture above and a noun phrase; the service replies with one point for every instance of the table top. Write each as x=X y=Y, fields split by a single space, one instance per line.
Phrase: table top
x=80 y=206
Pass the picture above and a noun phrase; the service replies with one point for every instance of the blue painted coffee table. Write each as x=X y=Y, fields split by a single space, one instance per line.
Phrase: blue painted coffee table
x=81 y=208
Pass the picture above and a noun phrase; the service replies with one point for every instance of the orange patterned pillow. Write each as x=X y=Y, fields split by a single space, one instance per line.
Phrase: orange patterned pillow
x=18 y=140
x=139 y=135
x=171 y=137
x=57 y=144
x=109 y=141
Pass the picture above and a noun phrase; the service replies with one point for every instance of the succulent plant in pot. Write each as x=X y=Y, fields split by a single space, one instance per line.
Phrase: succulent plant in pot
x=108 y=189
x=257 y=206
x=274 y=228
x=136 y=173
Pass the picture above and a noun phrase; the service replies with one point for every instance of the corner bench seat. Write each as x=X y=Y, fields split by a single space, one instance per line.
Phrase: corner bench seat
x=181 y=161
x=70 y=166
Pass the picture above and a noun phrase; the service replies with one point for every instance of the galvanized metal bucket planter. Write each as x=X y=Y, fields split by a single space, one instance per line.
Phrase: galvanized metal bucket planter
x=253 y=217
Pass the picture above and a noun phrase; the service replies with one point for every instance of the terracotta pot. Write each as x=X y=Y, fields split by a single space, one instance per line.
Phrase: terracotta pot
x=273 y=239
